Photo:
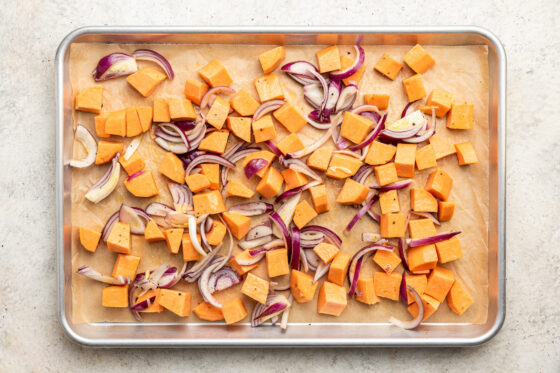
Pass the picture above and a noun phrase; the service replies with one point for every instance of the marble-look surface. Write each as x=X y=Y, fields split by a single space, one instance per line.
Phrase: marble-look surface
x=30 y=337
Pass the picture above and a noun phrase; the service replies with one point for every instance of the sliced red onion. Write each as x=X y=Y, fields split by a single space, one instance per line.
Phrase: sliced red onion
x=317 y=120
x=363 y=172
x=373 y=134
x=296 y=248
x=299 y=166
x=325 y=87
x=108 y=182
x=274 y=148
x=212 y=92
x=335 y=88
x=373 y=215
x=322 y=269
x=87 y=271
x=316 y=144
x=427 y=134
x=416 y=321
x=370 y=237
x=185 y=125
x=415 y=242
x=158 y=209
x=330 y=235
x=223 y=279
x=397 y=185
x=177 y=148
x=171 y=277
x=135 y=217
x=286 y=314
x=178 y=132
x=354 y=281
x=352 y=69
x=277 y=219
x=300 y=71
x=275 y=304
x=192 y=235
x=259 y=231
x=229 y=251
x=251 y=208
x=267 y=107
x=84 y=137
x=204 y=282
x=114 y=65
x=402 y=290
x=161 y=133
x=312 y=259
x=234 y=157
x=426 y=215
x=286 y=211
x=401 y=135
x=361 y=212
x=258 y=308
x=181 y=194
x=109 y=225
x=313 y=94
x=272 y=245
x=363 y=109
x=208 y=158
x=134 y=144
x=143 y=305
x=347 y=97
x=254 y=166
x=373 y=115
x=234 y=149
x=299 y=189
x=311 y=239
x=196 y=270
x=402 y=248
x=255 y=243
x=405 y=110
x=366 y=250
x=153 y=56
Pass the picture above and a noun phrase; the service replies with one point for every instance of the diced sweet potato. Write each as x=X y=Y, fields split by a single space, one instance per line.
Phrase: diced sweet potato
x=423 y=201
x=133 y=164
x=119 y=238
x=145 y=115
x=379 y=153
x=418 y=283
x=244 y=104
x=352 y=193
x=379 y=100
x=264 y=154
x=155 y=307
x=458 y=298
x=218 y=113
x=387 y=260
x=241 y=270
x=389 y=202
x=206 y=311
x=290 y=144
x=173 y=238
x=439 y=184
x=439 y=282
x=212 y=172
x=271 y=183
x=426 y=157
x=126 y=266
x=418 y=59
x=460 y=117
x=269 y=87
x=442 y=147
x=106 y=151
x=133 y=126
x=328 y=59
x=303 y=214
x=290 y=117
x=99 y=121
x=293 y=179
x=271 y=59
x=320 y=158
x=422 y=258
x=237 y=189
x=442 y=100
x=404 y=159
x=386 y=174
x=181 y=108
x=116 y=123
x=392 y=225
x=90 y=99
x=342 y=166
x=263 y=129
x=355 y=127
x=240 y=127
x=238 y=224
x=339 y=268
x=326 y=252
x=365 y=291
x=319 y=198
x=161 y=110
x=445 y=210
x=215 y=142
x=153 y=233
x=430 y=306
x=388 y=67
x=176 y=301
x=449 y=250
x=233 y=310
x=414 y=88
x=387 y=285
x=332 y=299
x=172 y=167
x=466 y=154
x=215 y=74
x=189 y=252
x=277 y=262
x=115 y=296
x=302 y=286
x=89 y=239
x=346 y=62
x=216 y=234
x=421 y=228
x=197 y=182
x=145 y=80
x=142 y=185
x=195 y=90
x=208 y=203
x=255 y=287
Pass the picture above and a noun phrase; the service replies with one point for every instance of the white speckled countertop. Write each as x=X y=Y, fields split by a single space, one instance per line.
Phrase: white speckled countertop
x=30 y=31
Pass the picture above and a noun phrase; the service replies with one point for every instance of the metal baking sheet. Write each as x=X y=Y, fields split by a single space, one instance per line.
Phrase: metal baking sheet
x=297 y=334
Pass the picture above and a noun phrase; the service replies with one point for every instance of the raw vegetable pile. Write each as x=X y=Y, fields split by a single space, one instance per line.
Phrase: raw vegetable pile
x=199 y=157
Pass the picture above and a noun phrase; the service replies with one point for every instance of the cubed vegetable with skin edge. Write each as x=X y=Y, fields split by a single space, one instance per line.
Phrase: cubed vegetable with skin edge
x=142 y=185
x=255 y=288
x=215 y=74
x=388 y=67
x=271 y=59
x=328 y=59
x=145 y=80
x=302 y=286
x=319 y=198
x=90 y=99
x=89 y=239
x=365 y=291
x=418 y=59
x=332 y=299
x=277 y=262
x=339 y=268
x=414 y=88
x=389 y=202
x=387 y=285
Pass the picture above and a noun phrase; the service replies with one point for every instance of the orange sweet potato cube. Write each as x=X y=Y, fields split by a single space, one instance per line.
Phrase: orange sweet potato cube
x=255 y=287
x=277 y=262
x=142 y=185
x=303 y=214
x=189 y=252
x=389 y=202
x=460 y=117
x=352 y=193
x=271 y=183
x=426 y=157
x=241 y=270
x=379 y=100
x=442 y=100
x=388 y=67
x=466 y=154
x=430 y=306
x=387 y=260
x=89 y=239
x=290 y=144
x=173 y=238
x=218 y=113
x=119 y=238
x=215 y=74
x=269 y=87
x=290 y=117
x=422 y=258
x=244 y=104
x=155 y=306
x=386 y=174
x=458 y=298
x=271 y=59
x=126 y=266
x=216 y=234
x=237 y=189
x=208 y=203
x=302 y=286
x=387 y=285
x=153 y=233
x=442 y=147
x=339 y=268
x=421 y=228
x=439 y=282
x=328 y=59
x=145 y=114
x=197 y=182
x=346 y=62
x=319 y=198
x=115 y=124
x=106 y=151
x=206 y=311
x=181 y=108
x=320 y=158
x=133 y=126
x=240 y=127
x=342 y=166
x=133 y=164
x=293 y=179
x=161 y=110
x=423 y=201
x=172 y=167
x=414 y=87
x=380 y=153
x=145 y=80
x=115 y=296
x=212 y=172
x=418 y=283
x=90 y=99
x=264 y=154
x=233 y=310
x=176 y=301
x=392 y=225
x=215 y=142
x=332 y=299
x=404 y=159
x=263 y=129
x=355 y=127
x=418 y=59
x=445 y=210
x=238 y=224
x=195 y=90
x=365 y=291
x=326 y=252
x=439 y=184
x=449 y=250
x=99 y=121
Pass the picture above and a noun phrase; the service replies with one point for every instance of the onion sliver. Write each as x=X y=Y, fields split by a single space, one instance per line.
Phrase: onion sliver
x=212 y=92
x=251 y=208
x=426 y=215
x=134 y=144
x=415 y=242
x=136 y=218
x=192 y=235
x=107 y=183
x=300 y=71
x=417 y=320
x=208 y=158
x=365 y=207
x=347 y=97
x=352 y=69
x=397 y=185
x=330 y=235
x=84 y=137
x=158 y=209
x=109 y=225
x=114 y=65
x=254 y=166
x=203 y=283
x=87 y=271
x=222 y=279
x=267 y=107
x=153 y=56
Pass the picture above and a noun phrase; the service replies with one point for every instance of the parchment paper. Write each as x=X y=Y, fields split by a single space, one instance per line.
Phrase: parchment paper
x=462 y=70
